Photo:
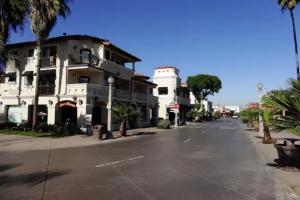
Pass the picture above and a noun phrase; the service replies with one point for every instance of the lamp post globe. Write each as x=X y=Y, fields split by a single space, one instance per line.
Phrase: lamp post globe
x=260 y=86
x=111 y=80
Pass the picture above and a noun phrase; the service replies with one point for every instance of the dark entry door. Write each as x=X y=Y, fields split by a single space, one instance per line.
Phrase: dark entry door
x=69 y=113
x=96 y=118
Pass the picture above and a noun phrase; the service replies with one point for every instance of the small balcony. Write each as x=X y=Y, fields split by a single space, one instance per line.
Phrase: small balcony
x=87 y=89
x=46 y=90
x=122 y=94
x=145 y=98
x=47 y=62
x=83 y=59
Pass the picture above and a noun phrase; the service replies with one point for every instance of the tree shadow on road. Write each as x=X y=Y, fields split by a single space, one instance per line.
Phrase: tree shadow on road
x=30 y=179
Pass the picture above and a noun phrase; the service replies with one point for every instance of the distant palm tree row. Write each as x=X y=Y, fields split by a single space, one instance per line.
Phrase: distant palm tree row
x=42 y=15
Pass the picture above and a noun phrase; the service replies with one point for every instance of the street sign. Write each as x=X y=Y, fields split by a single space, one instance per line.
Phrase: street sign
x=176 y=106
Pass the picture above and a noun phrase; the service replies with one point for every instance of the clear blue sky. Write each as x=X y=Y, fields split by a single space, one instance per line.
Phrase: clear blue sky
x=242 y=42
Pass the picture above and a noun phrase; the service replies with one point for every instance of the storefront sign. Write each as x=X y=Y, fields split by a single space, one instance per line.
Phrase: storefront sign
x=17 y=114
x=88 y=119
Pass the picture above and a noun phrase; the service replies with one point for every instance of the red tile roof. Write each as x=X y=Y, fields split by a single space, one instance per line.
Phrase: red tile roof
x=165 y=67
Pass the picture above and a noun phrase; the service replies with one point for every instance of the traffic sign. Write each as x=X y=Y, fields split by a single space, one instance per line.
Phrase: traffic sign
x=176 y=106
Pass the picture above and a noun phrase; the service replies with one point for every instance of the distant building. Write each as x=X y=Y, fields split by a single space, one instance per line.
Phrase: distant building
x=236 y=109
x=170 y=91
x=253 y=105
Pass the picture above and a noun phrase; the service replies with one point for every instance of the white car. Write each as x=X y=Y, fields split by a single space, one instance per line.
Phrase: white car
x=235 y=117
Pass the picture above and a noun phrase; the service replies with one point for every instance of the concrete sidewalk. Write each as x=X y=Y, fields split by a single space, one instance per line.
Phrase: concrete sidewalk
x=25 y=143
x=288 y=178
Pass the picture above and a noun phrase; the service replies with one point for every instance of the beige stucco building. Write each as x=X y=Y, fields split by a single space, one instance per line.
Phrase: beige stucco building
x=170 y=91
x=73 y=82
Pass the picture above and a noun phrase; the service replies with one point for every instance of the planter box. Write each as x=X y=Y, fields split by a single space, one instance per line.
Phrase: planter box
x=288 y=151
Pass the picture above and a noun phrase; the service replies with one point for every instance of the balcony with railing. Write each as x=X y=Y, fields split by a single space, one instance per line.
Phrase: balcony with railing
x=9 y=89
x=87 y=89
x=46 y=90
x=122 y=94
x=83 y=59
x=145 y=98
x=47 y=62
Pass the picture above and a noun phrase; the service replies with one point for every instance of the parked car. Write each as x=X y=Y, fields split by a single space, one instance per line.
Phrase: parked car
x=235 y=117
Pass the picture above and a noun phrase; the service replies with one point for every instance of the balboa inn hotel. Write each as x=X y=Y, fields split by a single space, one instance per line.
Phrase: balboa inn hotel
x=73 y=82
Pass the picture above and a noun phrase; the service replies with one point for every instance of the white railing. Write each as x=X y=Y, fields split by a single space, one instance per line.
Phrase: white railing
x=10 y=89
x=99 y=90
x=85 y=88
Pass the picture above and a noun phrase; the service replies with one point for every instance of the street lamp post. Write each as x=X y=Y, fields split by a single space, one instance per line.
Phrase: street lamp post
x=176 y=111
x=260 y=92
x=109 y=104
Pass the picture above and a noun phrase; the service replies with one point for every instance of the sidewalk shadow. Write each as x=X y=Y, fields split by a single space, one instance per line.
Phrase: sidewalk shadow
x=250 y=129
x=136 y=134
x=30 y=179
x=4 y=167
x=284 y=167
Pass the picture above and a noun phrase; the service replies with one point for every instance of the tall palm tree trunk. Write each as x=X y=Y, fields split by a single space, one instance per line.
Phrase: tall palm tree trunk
x=37 y=80
x=295 y=43
x=267 y=136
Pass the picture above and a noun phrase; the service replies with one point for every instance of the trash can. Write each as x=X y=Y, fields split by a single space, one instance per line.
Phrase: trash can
x=98 y=131
x=288 y=150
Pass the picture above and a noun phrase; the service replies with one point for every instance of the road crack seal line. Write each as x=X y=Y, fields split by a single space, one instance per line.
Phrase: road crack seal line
x=119 y=161
x=130 y=181
x=187 y=140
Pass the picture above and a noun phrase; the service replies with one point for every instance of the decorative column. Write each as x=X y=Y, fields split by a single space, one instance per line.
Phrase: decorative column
x=261 y=126
x=109 y=103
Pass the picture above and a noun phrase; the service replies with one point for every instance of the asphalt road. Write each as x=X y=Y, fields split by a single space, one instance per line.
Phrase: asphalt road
x=213 y=160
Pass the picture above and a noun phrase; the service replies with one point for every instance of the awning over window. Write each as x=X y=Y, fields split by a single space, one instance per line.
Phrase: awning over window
x=10 y=74
x=28 y=73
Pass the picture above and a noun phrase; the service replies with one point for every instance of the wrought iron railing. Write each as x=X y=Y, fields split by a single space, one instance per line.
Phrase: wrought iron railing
x=81 y=59
x=46 y=90
x=48 y=61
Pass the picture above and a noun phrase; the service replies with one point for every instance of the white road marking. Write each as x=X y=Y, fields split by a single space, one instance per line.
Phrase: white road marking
x=119 y=161
x=139 y=157
x=185 y=141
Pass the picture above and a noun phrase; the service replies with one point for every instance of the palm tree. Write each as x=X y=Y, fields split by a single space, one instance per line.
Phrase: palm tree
x=266 y=118
x=12 y=18
x=250 y=116
x=43 y=15
x=288 y=101
x=124 y=113
x=290 y=5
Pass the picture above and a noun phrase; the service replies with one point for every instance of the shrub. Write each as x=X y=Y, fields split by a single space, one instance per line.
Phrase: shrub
x=163 y=124
x=217 y=114
x=41 y=127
